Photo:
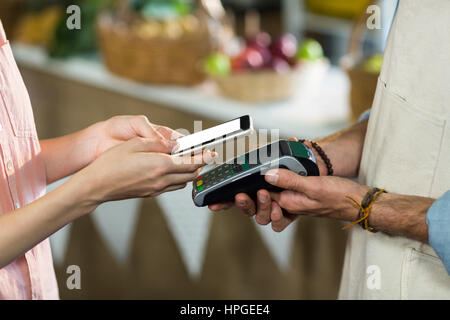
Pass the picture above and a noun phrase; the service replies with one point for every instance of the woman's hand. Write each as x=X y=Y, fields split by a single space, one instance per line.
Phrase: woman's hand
x=66 y=155
x=139 y=167
x=119 y=129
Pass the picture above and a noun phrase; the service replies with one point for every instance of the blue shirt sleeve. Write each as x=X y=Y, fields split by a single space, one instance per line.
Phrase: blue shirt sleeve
x=364 y=116
x=438 y=221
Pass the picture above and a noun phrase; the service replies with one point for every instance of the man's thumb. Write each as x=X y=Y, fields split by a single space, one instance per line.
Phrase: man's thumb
x=284 y=179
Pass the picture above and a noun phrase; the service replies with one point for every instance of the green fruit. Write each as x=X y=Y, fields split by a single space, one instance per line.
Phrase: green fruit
x=310 y=50
x=217 y=64
x=374 y=64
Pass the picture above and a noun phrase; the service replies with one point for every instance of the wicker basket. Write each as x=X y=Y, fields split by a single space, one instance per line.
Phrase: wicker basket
x=155 y=60
x=259 y=86
x=10 y=10
x=363 y=83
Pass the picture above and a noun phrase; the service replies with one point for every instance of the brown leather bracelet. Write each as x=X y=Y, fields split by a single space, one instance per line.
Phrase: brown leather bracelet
x=323 y=155
x=366 y=201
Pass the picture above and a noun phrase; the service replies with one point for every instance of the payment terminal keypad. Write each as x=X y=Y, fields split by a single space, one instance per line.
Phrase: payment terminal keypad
x=217 y=175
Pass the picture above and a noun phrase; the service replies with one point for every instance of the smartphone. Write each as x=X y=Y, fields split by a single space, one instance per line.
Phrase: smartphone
x=211 y=137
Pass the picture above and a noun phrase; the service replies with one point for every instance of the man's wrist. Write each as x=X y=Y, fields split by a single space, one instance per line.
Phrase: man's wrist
x=347 y=210
x=401 y=215
x=323 y=170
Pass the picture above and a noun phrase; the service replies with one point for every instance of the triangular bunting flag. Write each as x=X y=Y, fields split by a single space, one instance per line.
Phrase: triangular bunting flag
x=116 y=222
x=279 y=244
x=189 y=225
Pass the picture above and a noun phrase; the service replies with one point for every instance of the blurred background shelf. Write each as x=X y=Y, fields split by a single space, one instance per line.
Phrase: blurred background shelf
x=311 y=114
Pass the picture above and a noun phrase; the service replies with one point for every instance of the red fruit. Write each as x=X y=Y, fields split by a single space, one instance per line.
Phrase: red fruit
x=237 y=64
x=249 y=58
x=254 y=58
x=261 y=40
x=284 y=47
x=265 y=54
x=280 y=65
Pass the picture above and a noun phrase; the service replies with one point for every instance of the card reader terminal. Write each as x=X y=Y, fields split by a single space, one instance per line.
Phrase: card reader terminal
x=245 y=174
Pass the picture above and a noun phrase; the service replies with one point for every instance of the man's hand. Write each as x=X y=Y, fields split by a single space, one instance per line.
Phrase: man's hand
x=343 y=148
x=394 y=214
x=313 y=196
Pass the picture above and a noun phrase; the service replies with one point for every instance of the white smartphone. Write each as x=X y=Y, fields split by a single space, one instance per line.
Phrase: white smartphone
x=211 y=137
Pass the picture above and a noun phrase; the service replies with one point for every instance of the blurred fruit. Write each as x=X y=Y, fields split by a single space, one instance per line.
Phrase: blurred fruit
x=265 y=54
x=279 y=65
x=249 y=58
x=261 y=40
x=190 y=24
x=260 y=53
x=238 y=63
x=284 y=47
x=38 y=27
x=172 y=29
x=217 y=64
x=159 y=11
x=374 y=63
x=310 y=50
x=148 y=29
x=162 y=9
x=183 y=7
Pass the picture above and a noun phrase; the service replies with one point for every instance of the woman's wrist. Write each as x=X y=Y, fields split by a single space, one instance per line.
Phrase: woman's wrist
x=84 y=192
x=90 y=140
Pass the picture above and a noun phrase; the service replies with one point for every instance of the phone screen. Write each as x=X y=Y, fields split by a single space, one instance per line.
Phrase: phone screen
x=207 y=136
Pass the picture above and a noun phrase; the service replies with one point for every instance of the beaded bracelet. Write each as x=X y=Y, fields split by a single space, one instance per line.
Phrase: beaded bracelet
x=323 y=155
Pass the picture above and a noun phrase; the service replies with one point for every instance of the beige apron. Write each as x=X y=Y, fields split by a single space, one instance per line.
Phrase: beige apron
x=406 y=151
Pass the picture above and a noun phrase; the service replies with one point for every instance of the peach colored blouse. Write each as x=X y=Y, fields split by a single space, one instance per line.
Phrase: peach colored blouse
x=22 y=180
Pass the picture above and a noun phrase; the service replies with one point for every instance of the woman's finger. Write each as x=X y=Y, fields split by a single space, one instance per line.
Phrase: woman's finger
x=148 y=145
x=174 y=187
x=180 y=178
x=192 y=163
x=168 y=133
x=170 y=188
x=143 y=128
